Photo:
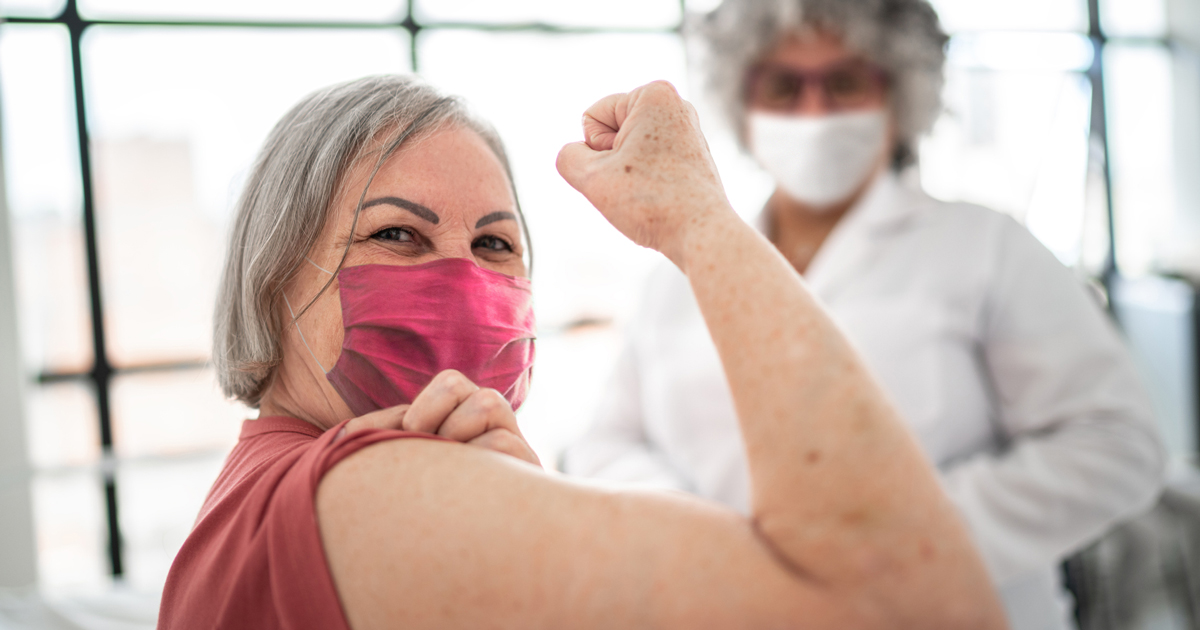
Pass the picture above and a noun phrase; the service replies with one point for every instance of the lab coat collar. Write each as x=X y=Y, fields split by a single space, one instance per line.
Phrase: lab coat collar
x=886 y=208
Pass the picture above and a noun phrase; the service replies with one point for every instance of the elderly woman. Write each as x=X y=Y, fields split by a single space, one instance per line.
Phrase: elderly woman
x=1013 y=380
x=379 y=243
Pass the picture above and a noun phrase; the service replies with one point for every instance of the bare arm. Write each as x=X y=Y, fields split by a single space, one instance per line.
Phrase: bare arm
x=849 y=527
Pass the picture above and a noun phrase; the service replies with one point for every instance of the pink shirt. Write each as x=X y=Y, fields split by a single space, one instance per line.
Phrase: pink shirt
x=254 y=559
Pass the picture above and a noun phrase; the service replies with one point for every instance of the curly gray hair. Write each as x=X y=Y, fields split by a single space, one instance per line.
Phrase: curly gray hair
x=902 y=37
x=287 y=201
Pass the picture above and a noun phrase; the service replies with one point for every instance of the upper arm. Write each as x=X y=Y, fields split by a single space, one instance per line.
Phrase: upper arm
x=445 y=535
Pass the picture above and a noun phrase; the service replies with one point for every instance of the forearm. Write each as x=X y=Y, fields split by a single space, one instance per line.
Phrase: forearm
x=814 y=422
x=841 y=491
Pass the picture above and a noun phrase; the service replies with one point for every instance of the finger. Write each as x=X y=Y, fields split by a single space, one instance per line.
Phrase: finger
x=441 y=396
x=603 y=120
x=573 y=161
x=483 y=411
x=389 y=418
x=509 y=443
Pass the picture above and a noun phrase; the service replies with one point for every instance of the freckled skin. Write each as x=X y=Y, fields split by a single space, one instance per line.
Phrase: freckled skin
x=674 y=203
x=422 y=534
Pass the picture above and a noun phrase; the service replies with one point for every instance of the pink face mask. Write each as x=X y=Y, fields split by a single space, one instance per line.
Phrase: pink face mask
x=405 y=324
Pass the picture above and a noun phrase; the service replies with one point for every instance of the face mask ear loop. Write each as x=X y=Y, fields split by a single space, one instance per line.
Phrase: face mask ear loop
x=310 y=261
x=297 y=325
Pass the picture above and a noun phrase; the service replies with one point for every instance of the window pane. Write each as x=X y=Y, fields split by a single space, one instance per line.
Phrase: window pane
x=1021 y=51
x=172 y=412
x=251 y=10
x=159 y=503
x=1016 y=15
x=619 y=13
x=41 y=163
x=31 y=8
x=177 y=116
x=1138 y=86
x=1016 y=142
x=582 y=266
x=1133 y=18
x=62 y=428
x=71 y=535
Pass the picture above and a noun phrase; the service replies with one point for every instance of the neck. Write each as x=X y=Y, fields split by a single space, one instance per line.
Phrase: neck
x=789 y=214
x=798 y=230
x=280 y=400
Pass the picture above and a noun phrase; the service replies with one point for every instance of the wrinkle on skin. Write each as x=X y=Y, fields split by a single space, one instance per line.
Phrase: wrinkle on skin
x=420 y=189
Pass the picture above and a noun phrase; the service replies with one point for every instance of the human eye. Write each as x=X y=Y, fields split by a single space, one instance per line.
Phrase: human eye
x=846 y=83
x=492 y=244
x=780 y=88
x=395 y=234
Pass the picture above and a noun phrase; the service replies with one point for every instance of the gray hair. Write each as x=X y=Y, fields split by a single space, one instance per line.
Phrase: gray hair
x=902 y=37
x=288 y=200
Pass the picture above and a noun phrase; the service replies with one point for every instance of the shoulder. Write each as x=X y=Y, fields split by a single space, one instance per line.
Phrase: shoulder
x=410 y=479
x=443 y=523
x=259 y=501
x=993 y=244
x=966 y=224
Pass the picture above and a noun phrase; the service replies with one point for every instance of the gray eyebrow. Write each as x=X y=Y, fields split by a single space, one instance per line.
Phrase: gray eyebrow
x=415 y=208
x=493 y=217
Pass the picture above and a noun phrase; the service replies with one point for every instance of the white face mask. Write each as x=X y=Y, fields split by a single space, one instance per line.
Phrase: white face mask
x=819 y=160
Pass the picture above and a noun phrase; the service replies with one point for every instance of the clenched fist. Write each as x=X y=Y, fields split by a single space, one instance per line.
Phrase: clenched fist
x=646 y=166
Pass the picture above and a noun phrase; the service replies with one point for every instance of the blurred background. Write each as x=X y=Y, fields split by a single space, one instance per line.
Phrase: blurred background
x=128 y=127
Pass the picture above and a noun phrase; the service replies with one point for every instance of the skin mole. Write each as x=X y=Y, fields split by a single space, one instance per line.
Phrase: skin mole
x=628 y=168
x=813 y=456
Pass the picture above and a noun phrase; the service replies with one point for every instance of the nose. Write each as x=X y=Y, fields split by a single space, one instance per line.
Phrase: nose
x=812 y=101
x=454 y=244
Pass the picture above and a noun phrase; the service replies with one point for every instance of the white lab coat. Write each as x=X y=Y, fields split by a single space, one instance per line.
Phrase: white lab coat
x=1005 y=368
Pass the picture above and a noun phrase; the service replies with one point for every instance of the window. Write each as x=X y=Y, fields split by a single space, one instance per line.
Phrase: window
x=118 y=235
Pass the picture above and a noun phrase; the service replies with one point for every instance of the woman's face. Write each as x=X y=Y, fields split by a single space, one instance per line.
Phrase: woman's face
x=442 y=195
x=814 y=74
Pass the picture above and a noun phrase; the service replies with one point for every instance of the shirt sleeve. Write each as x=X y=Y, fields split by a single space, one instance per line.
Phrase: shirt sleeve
x=616 y=447
x=1082 y=450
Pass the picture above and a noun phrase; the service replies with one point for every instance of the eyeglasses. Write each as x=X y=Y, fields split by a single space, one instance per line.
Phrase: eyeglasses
x=842 y=86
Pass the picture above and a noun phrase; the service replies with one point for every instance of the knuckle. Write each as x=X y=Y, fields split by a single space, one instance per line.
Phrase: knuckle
x=662 y=89
x=446 y=377
x=491 y=402
x=454 y=382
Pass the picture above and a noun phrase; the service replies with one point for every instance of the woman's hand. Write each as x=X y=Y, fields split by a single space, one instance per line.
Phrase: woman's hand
x=646 y=166
x=457 y=409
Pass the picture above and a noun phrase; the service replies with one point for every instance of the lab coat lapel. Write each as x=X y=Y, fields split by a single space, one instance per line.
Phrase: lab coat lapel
x=856 y=241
